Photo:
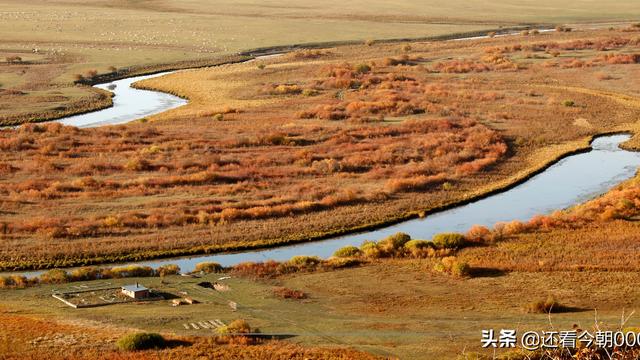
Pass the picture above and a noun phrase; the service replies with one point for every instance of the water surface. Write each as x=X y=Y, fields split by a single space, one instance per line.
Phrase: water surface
x=570 y=181
x=128 y=104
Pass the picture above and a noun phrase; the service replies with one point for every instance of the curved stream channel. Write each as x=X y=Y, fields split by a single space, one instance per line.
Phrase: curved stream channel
x=570 y=181
x=128 y=104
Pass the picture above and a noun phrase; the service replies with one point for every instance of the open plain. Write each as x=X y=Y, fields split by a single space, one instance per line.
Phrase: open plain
x=351 y=132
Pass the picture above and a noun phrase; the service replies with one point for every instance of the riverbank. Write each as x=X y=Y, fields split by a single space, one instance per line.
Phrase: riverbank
x=252 y=141
x=103 y=100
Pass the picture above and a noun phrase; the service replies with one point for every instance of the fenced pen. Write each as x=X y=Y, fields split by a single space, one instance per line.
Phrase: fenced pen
x=87 y=298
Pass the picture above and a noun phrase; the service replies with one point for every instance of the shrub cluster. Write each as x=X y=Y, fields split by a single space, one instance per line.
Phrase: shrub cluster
x=270 y=268
x=548 y=305
x=401 y=245
x=238 y=332
x=141 y=341
x=59 y=276
x=208 y=267
x=286 y=293
x=14 y=59
x=453 y=266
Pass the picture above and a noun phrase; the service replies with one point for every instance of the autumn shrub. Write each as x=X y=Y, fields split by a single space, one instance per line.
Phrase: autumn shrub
x=401 y=60
x=265 y=269
x=141 y=341
x=85 y=273
x=548 y=305
x=460 y=269
x=568 y=103
x=138 y=164
x=169 y=269
x=284 y=89
x=14 y=59
x=414 y=183
x=394 y=242
x=603 y=76
x=561 y=28
x=305 y=261
x=54 y=276
x=418 y=248
x=309 y=54
x=362 y=68
x=452 y=266
x=621 y=58
x=341 y=263
x=238 y=332
x=310 y=92
x=14 y=281
x=347 y=251
x=478 y=234
x=448 y=240
x=371 y=250
x=130 y=271
x=91 y=73
x=208 y=267
x=286 y=293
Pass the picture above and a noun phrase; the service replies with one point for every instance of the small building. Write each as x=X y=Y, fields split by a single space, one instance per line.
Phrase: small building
x=136 y=291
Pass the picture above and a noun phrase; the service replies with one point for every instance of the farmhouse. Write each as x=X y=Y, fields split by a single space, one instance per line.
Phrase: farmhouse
x=136 y=291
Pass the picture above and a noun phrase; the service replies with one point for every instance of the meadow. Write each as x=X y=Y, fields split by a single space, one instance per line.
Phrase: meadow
x=336 y=140
x=353 y=134
x=59 y=42
x=387 y=299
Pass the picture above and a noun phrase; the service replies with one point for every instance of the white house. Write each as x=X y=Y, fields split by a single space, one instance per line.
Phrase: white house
x=136 y=291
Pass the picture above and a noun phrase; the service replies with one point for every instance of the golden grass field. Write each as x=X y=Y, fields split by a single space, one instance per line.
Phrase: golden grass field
x=76 y=38
x=393 y=305
x=309 y=144
x=334 y=139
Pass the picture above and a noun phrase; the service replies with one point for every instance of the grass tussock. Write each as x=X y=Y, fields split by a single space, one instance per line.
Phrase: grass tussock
x=141 y=341
x=546 y=306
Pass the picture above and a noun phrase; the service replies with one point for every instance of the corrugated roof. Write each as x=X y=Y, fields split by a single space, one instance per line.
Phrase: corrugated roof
x=134 y=287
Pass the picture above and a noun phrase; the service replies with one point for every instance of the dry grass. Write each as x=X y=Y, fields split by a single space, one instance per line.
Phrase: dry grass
x=62 y=41
x=601 y=234
x=27 y=337
x=381 y=140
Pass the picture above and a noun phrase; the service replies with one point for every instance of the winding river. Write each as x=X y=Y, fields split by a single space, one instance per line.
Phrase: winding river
x=128 y=104
x=570 y=181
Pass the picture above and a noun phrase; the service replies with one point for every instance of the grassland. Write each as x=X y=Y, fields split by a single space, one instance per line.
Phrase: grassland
x=394 y=306
x=31 y=337
x=335 y=139
x=387 y=308
x=61 y=40
x=307 y=145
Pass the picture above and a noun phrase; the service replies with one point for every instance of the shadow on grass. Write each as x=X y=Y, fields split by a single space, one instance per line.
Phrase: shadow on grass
x=174 y=343
x=481 y=272
x=275 y=336
x=558 y=309
x=165 y=295
x=553 y=307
